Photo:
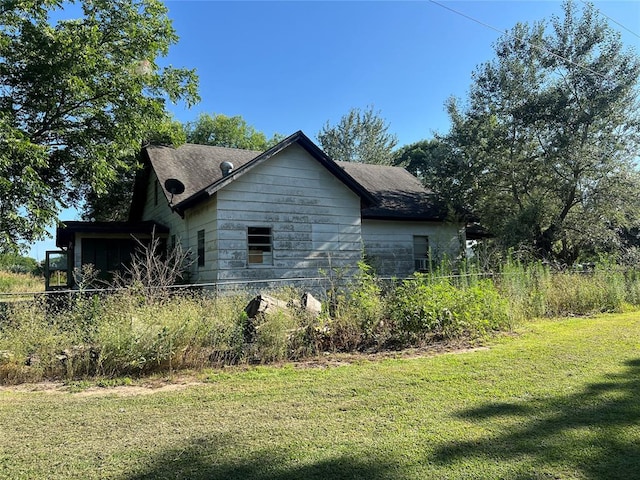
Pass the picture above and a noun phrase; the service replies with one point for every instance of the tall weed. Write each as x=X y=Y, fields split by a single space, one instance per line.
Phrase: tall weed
x=131 y=332
x=526 y=288
x=572 y=293
x=423 y=307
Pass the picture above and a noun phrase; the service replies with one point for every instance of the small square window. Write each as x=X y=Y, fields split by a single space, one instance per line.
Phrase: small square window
x=259 y=243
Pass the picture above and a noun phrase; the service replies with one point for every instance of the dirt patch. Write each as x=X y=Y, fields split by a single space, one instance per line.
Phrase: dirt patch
x=430 y=350
x=141 y=387
x=177 y=382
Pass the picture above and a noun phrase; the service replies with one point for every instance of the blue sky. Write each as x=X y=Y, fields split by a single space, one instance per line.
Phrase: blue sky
x=294 y=65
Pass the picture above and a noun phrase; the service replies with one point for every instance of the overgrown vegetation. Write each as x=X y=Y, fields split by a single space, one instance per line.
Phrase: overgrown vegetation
x=11 y=282
x=138 y=329
x=559 y=400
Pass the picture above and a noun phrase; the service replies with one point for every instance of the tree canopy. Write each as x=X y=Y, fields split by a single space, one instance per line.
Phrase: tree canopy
x=359 y=136
x=544 y=149
x=223 y=131
x=77 y=98
x=217 y=130
x=113 y=204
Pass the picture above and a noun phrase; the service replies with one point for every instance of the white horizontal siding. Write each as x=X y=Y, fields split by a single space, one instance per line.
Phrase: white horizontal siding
x=203 y=217
x=388 y=244
x=312 y=217
x=162 y=213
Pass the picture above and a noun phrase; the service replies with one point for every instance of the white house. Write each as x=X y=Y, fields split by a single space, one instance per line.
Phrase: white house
x=284 y=214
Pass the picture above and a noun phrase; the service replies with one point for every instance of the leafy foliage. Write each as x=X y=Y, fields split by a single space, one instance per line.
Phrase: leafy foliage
x=425 y=307
x=218 y=130
x=223 y=131
x=544 y=149
x=114 y=203
x=135 y=330
x=360 y=136
x=77 y=97
x=11 y=262
x=435 y=164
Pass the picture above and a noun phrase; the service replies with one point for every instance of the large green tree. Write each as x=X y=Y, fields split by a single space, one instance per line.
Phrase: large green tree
x=77 y=97
x=223 y=131
x=113 y=204
x=359 y=136
x=442 y=171
x=217 y=130
x=548 y=139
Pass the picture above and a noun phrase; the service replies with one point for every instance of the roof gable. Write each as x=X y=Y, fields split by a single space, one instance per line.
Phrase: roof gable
x=386 y=192
x=198 y=169
x=195 y=166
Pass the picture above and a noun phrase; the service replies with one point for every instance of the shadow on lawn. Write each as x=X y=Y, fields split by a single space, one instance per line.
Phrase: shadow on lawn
x=587 y=432
x=209 y=459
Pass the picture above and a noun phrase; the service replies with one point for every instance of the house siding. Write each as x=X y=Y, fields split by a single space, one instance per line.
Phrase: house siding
x=162 y=213
x=389 y=244
x=314 y=219
x=203 y=217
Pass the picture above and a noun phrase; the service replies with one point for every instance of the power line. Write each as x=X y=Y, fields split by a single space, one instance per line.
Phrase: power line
x=506 y=32
x=479 y=22
x=613 y=20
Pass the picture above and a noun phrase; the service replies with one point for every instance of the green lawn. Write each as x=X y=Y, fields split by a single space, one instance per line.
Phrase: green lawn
x=559 y=400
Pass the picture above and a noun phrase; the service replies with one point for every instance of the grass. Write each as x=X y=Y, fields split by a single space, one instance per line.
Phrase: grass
x=20 y=282
x=557 y=400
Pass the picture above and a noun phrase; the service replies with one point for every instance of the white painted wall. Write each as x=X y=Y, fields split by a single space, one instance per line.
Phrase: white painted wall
x=202 y=217
x=315 y=222
x=388 y=244
x=312 y=216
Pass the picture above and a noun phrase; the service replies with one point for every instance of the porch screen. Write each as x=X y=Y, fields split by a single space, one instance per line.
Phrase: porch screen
x=107 y=255
x=259 y=241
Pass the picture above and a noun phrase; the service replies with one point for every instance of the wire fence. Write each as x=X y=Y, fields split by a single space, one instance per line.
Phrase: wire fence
x=213 y=287
x=316 y=284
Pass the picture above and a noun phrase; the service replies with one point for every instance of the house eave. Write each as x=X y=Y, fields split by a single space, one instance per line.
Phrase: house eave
x=66 y=232
x=403 y=218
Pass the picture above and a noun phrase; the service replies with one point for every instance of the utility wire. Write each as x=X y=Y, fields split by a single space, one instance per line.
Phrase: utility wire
x=614 y=21
x=506 y=32
x=479 y=22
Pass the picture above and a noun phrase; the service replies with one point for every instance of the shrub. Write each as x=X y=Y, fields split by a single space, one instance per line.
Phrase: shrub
x=132 y=331
x=361 y=315
x=436 y=308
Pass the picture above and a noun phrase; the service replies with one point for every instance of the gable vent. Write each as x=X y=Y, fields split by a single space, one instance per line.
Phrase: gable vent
x=226 y=167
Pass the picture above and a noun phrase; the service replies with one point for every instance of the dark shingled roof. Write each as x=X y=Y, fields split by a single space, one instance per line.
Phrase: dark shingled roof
x=386 y=192
x=399 y=195
x=196 y=166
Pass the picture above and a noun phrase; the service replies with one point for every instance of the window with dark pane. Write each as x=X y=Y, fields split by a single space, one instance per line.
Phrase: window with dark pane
x=259 y=242
x=421 y=253
x=201 y=248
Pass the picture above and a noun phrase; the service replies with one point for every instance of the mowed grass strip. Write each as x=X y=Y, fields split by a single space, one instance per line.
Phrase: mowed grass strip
x=560 y=399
